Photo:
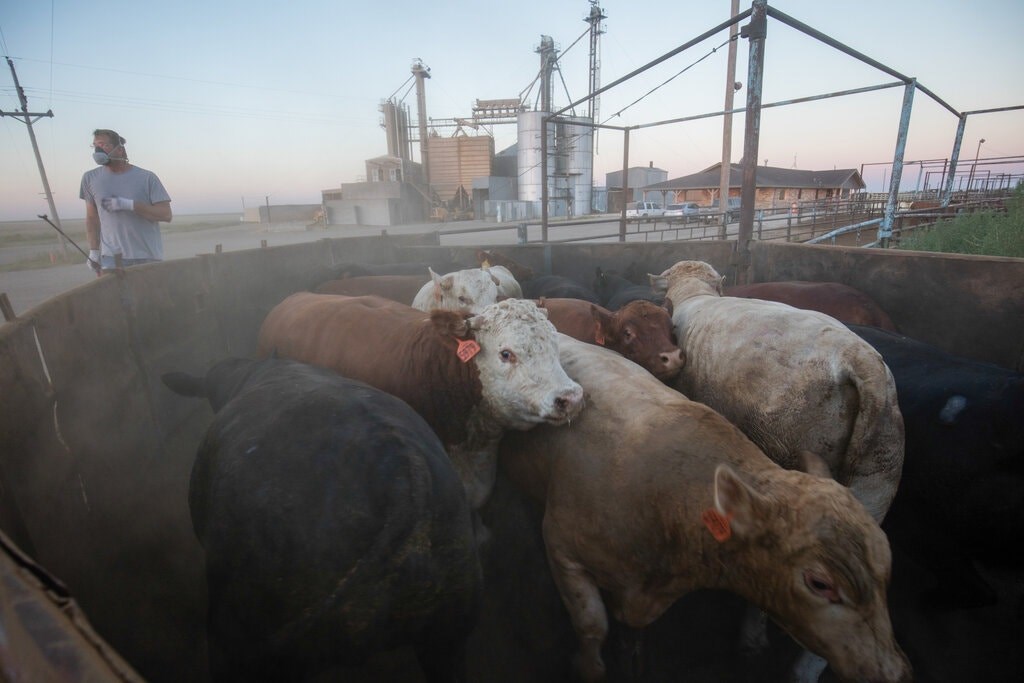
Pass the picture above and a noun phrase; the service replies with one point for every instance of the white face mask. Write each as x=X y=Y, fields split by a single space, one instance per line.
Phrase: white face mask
x=102 y=157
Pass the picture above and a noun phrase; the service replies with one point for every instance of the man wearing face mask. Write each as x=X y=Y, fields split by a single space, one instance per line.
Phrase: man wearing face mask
x=124 y=205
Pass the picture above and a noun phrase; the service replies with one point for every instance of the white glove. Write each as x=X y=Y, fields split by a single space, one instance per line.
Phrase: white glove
x=118 y=204
x=94 y=260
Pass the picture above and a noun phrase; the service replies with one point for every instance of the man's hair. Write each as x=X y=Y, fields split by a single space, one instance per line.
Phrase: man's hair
x=110 y=135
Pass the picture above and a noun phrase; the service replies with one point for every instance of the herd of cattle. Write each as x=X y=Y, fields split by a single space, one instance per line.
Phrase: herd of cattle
x=678 y=436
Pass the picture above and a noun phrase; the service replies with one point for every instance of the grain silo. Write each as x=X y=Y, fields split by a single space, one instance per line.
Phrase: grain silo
x=455 y=162
x=575 y=145
x=529 y=125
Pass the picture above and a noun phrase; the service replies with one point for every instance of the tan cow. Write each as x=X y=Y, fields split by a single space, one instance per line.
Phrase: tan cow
x=792 y=380
x=649 y=496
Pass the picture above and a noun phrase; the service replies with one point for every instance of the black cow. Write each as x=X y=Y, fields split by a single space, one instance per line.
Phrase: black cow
x=615 y=291
x=961 y=494
x=334 y=526
x=557 y=287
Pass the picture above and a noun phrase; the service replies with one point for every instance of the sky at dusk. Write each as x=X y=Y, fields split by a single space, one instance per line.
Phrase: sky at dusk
x=233 y=102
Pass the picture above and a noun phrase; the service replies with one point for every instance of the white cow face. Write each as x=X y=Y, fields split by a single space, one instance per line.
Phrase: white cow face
x=523 y=382
x=464 y=290
x=689 y=277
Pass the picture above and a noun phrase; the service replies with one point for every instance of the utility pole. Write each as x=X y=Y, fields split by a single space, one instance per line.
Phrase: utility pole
x=27 y=118
x=725 y=172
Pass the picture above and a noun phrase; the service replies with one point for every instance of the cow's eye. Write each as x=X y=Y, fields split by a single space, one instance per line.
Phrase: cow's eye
x=822 y=586
x=627 y=333
x=507 y=356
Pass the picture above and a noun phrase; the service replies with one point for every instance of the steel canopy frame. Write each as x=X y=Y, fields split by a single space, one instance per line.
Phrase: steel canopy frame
x=756 y=32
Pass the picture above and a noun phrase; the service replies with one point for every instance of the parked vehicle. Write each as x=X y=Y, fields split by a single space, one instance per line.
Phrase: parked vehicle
x=644 y=210
x=733 y=210
x=681 y=210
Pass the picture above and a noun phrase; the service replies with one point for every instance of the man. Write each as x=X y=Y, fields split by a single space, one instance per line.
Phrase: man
x=124 y=205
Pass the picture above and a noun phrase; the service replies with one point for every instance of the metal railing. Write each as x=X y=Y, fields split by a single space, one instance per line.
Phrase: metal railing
x=850 y=221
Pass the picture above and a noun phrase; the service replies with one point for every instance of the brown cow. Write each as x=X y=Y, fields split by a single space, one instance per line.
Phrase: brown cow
x=492 y=258
x=842 y=302
x=641 y=331
x=649 y=496
x=402 y=288
x=512 y=380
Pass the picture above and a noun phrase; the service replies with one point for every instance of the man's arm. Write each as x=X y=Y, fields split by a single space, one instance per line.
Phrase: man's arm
x=92 y=224
x=161 y=211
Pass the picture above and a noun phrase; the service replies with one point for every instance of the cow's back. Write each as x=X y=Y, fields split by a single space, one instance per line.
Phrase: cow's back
x=964 y=449
x=842 y=302
x=388 y=345
x=334 y=527
x=795 y=380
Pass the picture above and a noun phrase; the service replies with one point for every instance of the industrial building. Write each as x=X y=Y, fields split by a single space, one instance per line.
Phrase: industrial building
x=459 y=173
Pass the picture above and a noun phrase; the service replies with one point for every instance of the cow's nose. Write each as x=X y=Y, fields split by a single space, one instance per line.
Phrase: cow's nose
x=673 y=361
x=568 y=402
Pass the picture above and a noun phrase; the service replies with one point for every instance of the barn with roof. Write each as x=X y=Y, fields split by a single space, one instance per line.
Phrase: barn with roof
x=775 y=186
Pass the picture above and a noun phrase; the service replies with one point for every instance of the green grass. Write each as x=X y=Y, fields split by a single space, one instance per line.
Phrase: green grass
x=985 y=233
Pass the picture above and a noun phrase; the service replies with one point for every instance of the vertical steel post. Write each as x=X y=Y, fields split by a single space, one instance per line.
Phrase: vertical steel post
x=755 y=32
x=885 y=229
x=625 y=184
x=544 y=179
x=947 y=194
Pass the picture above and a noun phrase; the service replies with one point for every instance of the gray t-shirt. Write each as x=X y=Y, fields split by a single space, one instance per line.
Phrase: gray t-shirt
x=126 y=232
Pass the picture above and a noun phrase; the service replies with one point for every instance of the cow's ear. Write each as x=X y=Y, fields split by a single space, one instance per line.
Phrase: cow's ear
x=659 y=284
x=737 y=509
x=602 y=323
x=814 y=464
x=494 y=279
x=718 y=285
x=450 y=323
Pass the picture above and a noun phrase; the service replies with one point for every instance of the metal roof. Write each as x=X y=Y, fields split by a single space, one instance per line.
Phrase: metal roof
x=767 y=176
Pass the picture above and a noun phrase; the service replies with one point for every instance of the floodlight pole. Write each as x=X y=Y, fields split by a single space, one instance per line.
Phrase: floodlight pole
x=26 y=117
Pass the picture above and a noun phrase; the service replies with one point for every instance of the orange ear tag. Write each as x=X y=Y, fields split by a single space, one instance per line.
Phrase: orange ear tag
x=717 y=524
x=467 y=349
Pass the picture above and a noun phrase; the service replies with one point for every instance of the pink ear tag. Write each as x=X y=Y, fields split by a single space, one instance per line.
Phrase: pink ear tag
x=717 y=524
x=467 y=349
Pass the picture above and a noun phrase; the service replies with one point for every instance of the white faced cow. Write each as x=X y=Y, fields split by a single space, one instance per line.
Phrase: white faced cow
x=471 y=377
x=468 y=290
x=792 y=380
x=649 y=496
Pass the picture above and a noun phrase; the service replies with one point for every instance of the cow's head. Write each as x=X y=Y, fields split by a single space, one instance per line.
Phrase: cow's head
x=642 y=332
x=523 y=382
x=464 y=290
x=686 y=279
x=823 y=567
